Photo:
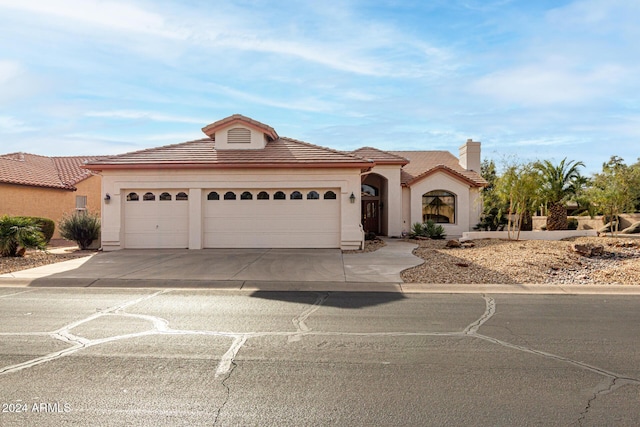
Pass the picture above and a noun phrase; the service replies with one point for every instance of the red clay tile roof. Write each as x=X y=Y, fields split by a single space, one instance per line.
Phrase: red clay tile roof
x=424 y=163
x=379 y=156
x=41 y=171
x=211 y=129
x=282 y=152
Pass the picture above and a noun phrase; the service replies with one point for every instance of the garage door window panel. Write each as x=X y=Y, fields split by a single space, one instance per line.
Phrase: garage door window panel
x=263 y=195
x=329 y=195
x=230 y=195
x=279 y=195
x=148 y=197
x=133 y=197
x=213 y=196
x=246 y=196
x=165 y=197
x=182 y=196
x=296 y=195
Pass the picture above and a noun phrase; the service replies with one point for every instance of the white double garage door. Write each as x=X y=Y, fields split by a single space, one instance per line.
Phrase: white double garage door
x=233 y=218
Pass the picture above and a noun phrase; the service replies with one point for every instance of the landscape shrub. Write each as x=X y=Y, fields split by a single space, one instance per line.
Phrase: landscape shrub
x=17 y=234
x=428 y=229
x=572 y=224
x=81 y=227
x=47 y=226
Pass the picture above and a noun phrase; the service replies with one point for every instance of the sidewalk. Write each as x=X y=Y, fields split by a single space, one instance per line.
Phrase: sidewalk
x=322 y=270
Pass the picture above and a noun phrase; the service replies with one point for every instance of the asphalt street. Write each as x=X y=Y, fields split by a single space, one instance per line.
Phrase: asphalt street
x=139 y=357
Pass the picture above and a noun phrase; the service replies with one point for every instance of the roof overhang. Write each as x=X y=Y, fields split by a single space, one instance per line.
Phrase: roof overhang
x=446 y=170
x=192 y=165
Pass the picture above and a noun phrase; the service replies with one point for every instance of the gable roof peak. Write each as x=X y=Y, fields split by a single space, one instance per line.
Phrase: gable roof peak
x=211 y=129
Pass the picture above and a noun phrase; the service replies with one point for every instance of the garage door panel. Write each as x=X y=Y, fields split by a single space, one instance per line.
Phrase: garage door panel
x=271 y=223
x=156 y=224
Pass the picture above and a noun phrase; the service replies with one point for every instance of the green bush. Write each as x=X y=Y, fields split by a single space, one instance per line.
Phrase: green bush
x=18 y=234
x=572 y=224
x=417 y=230
x=81 y=227
x=47 y=226
x=428 y=229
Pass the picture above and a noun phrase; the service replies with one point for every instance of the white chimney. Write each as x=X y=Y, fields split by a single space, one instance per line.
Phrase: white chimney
x=470 y=155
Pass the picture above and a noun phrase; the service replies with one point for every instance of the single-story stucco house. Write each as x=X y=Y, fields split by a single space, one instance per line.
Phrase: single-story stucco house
x=47 y=187
x=244 y=186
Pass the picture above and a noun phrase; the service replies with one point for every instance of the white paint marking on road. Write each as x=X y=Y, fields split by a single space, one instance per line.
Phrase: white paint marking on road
x=16 y=293
x=299 y=321
x=227 y=359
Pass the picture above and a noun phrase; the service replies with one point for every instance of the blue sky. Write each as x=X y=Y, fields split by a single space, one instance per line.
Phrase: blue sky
x=530 y=79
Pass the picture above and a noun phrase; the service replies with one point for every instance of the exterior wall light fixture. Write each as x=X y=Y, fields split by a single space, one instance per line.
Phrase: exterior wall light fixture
x=352 y=198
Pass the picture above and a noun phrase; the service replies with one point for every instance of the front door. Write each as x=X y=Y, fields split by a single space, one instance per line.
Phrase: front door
x=370 y=220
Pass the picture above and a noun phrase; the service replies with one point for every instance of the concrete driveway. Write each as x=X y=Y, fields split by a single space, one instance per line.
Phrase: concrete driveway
x=225 y=268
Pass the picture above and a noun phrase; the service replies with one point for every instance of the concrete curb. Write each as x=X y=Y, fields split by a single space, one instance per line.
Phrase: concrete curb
x=298 y=286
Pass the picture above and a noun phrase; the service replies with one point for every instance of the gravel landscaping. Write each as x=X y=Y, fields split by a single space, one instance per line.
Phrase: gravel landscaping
x=533 y=261
x=34 y=259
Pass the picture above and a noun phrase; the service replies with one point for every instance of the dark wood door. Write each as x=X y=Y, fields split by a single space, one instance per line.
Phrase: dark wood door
x=370 y=220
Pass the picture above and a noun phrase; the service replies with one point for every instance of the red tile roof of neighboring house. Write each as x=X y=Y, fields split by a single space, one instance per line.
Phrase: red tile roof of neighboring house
x=379 y=156
x=424 y=163
x=41 y=171
x=281 y=152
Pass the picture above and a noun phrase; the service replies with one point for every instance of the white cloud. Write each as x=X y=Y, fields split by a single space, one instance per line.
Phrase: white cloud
x=113 y=15
x=306 y=104
x=10 y=124
x=9 y=70
x=148 y=115
x=550 y=83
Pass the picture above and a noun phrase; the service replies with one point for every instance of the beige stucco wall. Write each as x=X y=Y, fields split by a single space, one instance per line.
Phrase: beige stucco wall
x=48 y=202
x=196 y=180
x=466 y=199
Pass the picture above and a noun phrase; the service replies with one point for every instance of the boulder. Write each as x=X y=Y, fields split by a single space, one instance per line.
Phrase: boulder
x=587 y=250
x=632 y=229
x=453 y=244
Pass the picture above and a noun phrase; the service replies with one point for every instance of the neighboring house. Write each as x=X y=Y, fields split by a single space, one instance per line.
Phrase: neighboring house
x=243 y=186
x=49 y=187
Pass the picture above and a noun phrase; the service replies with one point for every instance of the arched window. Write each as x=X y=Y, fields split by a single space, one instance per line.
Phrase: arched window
x=182 y=196
x=133 y=197
x=279 y=195
x=213 y=196
x=329 y=195
x=296 y=195
x=263 y=195
x=313 y=195
x=246 y=196
x=165 y=196
x=368 y=190
x=439 y=206
x=149 y=196
x=229 y=195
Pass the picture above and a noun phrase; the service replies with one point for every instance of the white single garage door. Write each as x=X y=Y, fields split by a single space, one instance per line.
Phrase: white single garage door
x=156 y=219
x=249 y=218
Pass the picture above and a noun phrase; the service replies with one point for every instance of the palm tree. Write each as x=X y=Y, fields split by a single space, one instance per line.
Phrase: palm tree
x=557 y=186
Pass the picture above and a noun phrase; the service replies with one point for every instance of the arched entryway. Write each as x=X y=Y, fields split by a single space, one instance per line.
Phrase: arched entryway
x=374 y=197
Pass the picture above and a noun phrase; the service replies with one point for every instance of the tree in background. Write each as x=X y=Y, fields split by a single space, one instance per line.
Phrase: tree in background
x=557 y=186
x=616 y=189
x=493 y=210
x=519 y=188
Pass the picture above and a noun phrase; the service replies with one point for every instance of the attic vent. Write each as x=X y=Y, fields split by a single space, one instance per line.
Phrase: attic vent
x=239 y=136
